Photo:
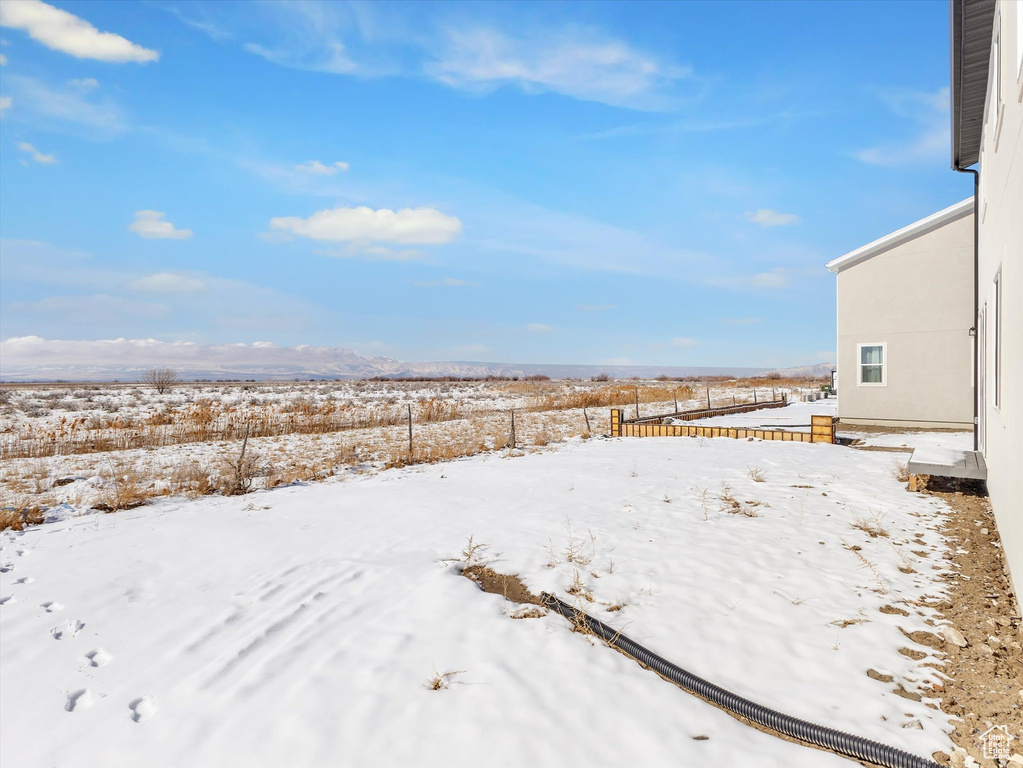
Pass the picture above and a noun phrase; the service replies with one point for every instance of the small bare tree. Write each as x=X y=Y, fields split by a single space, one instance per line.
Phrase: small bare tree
x=161 y=379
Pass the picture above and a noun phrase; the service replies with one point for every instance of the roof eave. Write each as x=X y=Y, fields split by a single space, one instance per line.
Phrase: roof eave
x=904 y=235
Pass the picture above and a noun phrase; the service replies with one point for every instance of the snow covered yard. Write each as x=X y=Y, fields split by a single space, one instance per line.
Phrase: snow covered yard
x=303 y=625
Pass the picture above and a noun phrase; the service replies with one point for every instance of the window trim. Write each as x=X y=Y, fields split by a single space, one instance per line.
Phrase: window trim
x=996 y=340
x=884 y=364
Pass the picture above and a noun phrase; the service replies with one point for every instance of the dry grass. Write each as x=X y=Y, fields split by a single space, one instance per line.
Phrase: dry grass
x=122 y=490
x=19 y=512
x=865 y=563
x=900 y=471
x=757 y=475
x=439 y=681
x=733 y=506
x=871 y=526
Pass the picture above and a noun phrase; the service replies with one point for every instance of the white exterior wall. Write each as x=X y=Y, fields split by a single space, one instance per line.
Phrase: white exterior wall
x=1001 y=248
x=917 y=299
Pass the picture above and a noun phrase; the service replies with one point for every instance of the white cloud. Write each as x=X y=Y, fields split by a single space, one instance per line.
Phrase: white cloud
x=768 y=218
x=539 y=328
x=425 y=226
x=3 y=59
x=168 y=282
x=683 y=341
x=319 y=169
x=35 y=154
x=5 y=103
x=776 y=278
x=583 y=66
x=150 y=225
x=65 y=32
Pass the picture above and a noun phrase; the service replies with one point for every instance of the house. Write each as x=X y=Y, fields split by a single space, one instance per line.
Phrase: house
x=987 y=141
x=905 y=316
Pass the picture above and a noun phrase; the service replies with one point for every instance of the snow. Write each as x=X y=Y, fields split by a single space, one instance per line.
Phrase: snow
x=962 y=441
x=300 y=626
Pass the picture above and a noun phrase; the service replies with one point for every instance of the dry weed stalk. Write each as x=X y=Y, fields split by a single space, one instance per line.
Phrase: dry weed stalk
x=757 y=475
x=439 y=681
x=900 y=471
x=865 y=563
x=872 y=526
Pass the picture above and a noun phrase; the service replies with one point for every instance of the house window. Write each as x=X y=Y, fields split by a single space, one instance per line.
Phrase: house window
x=998 y=338
x=872 y=364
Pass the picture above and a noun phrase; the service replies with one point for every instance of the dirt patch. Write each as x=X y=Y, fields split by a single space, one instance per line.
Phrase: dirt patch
x=873 y=674
x=507 y=585
x=986 y=688
x=893 y=611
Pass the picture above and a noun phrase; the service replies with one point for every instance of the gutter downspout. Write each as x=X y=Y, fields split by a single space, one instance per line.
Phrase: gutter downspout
x=976 y=300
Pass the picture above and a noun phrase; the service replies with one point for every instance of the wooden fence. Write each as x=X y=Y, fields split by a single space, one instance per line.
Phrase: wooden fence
x=822 y=430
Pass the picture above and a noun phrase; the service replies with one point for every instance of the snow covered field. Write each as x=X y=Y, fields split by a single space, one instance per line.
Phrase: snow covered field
x=301 y=626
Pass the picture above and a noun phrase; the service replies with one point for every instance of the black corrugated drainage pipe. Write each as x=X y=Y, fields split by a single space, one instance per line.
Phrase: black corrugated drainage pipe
x=821 y=736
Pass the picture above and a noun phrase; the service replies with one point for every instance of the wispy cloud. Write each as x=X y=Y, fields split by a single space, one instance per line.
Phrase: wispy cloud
x=320 y=169
x=152 y=226
x=419 y=226
x=65 y=105
x=168 y=282
x=775 y=278
x=927 y=114
x=62 y=31
x=684 y=341
x=582 y=64
x=444 y=282
x=35 y=154
x=768 y=218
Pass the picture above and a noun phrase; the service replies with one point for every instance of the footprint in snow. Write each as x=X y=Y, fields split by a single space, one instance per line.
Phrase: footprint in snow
x=7 y=599
x=142 y=709
x=99 y=658
x=52 y=606
x=25 y=580
x=79 y=698
x=69 y=628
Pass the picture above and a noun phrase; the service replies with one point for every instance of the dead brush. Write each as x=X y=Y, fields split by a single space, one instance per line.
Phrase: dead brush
x=439 y=681
x=578 y=589
x=900 y=471
x=865 y=563
x=757 y=475
x=732 y=505
x=122 y=490
x=238 y=474
x=18 y=512
x=871 y=526
x=471 y=553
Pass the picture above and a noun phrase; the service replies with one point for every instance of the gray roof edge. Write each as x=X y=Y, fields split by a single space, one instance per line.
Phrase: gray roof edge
x=904 y=235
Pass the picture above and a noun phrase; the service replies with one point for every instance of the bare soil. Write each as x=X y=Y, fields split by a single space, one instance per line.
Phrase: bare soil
x=508 y=586
x=986 y=688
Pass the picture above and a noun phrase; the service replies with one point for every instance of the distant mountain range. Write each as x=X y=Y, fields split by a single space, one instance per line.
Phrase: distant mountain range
x=31 y=358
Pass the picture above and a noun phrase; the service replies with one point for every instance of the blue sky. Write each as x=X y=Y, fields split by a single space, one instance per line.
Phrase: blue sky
x=552 y=183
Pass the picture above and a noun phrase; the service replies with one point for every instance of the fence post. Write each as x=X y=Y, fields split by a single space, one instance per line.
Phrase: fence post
x=513 y=428
x=774 y=395
x=616 y=423
x=587 y=417
x=410 y=433
x=708 y=398
x=754 y=395
x=637 y=402
x=674 y=397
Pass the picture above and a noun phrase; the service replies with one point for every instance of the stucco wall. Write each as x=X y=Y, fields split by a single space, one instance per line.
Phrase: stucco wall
x=917 y=298
x=1001 y=246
